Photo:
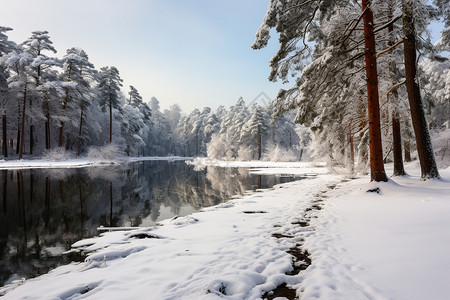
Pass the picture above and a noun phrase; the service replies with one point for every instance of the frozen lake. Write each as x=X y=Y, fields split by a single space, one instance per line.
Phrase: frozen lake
x=44 y=211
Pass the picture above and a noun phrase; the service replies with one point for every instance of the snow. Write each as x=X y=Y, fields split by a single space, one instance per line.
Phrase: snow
x=363 y=245
x=75 y=162
x=257 y=164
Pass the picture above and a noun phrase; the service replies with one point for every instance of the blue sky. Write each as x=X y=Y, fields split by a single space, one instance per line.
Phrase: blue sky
x=195 y=53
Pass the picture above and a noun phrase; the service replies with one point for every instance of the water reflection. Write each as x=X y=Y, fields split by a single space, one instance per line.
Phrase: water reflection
x=44 y=211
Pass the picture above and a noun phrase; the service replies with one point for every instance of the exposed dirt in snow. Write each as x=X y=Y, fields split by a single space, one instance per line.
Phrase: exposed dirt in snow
x=301 y=259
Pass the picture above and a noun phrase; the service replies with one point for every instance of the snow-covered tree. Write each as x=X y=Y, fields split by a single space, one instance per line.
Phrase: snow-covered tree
x=77 y=78
x=6 y=46
x=109 y=93
x=173 y=115
x=45 y=80
x=134 y=98
x=255 y=129
x=437 y=90
x=20 y=85
x=162 y=132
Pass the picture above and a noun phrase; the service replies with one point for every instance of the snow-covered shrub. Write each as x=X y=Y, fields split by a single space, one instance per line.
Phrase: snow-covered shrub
x=276 y=153
x=441 y=147
x=107 y=152
x=246 y=153
x=57 y=154
x=215 y=149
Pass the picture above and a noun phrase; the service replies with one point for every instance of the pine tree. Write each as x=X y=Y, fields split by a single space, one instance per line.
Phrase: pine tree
x=20 y=86
x=135 y=99
x=331 y=26
x=6 y=46
x=109 y=89
x=256 y=126
x=45 y=78
x=76 y=77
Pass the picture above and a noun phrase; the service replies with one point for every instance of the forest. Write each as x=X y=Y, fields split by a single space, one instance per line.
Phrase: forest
x=367 y=77
x=369 y=88
x=51 y=105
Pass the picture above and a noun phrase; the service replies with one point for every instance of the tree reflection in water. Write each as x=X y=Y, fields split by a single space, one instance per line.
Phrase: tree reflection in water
x=44 y=211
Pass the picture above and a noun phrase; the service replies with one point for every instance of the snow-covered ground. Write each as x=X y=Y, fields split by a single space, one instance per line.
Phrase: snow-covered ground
x=392 y=243
x=73 y=162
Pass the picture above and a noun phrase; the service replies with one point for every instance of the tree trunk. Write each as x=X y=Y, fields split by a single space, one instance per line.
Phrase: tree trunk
x=399 y=170
x=423 y=141
x=377 y=172
x=18 y=139
x=352 y=148
x=5 y=139
x=110 y=122
x=79 y=133
x=60 y=137
x=31 y=139
x=23 y=122
x=196 y=146
x=407 y=146
x=66 y=100
x=67 y=141
x=46 y=136
x=47 y=125
x=258 y=141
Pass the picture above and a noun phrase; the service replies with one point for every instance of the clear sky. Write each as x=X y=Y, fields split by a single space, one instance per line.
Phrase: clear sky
x=195 y=53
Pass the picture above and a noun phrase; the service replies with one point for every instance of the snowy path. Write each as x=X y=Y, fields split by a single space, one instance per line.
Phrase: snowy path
x=391 y=245
x=228 y=249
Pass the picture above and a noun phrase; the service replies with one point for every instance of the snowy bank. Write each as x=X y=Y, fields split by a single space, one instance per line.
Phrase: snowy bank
x=299 y=168
x=81 y=162
x=391 y=243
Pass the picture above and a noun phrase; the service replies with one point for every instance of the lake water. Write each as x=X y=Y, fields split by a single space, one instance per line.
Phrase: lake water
x=44 y=211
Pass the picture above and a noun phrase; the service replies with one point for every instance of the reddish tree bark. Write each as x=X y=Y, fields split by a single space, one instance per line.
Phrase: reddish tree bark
x=399 y=169
x=377 y=172
x=423 y=141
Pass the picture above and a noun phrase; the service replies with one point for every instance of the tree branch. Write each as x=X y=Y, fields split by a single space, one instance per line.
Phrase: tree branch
x=353 y=28
x=387 y=24
x=391 y=90
x=390 y=48
x=299 y=5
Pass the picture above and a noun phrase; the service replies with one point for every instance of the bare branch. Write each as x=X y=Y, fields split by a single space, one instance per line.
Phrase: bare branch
x=355 y=57
x=392 y=89
x=355 y=72
x=309 y=23
x=387 y=24
x=390 y=48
